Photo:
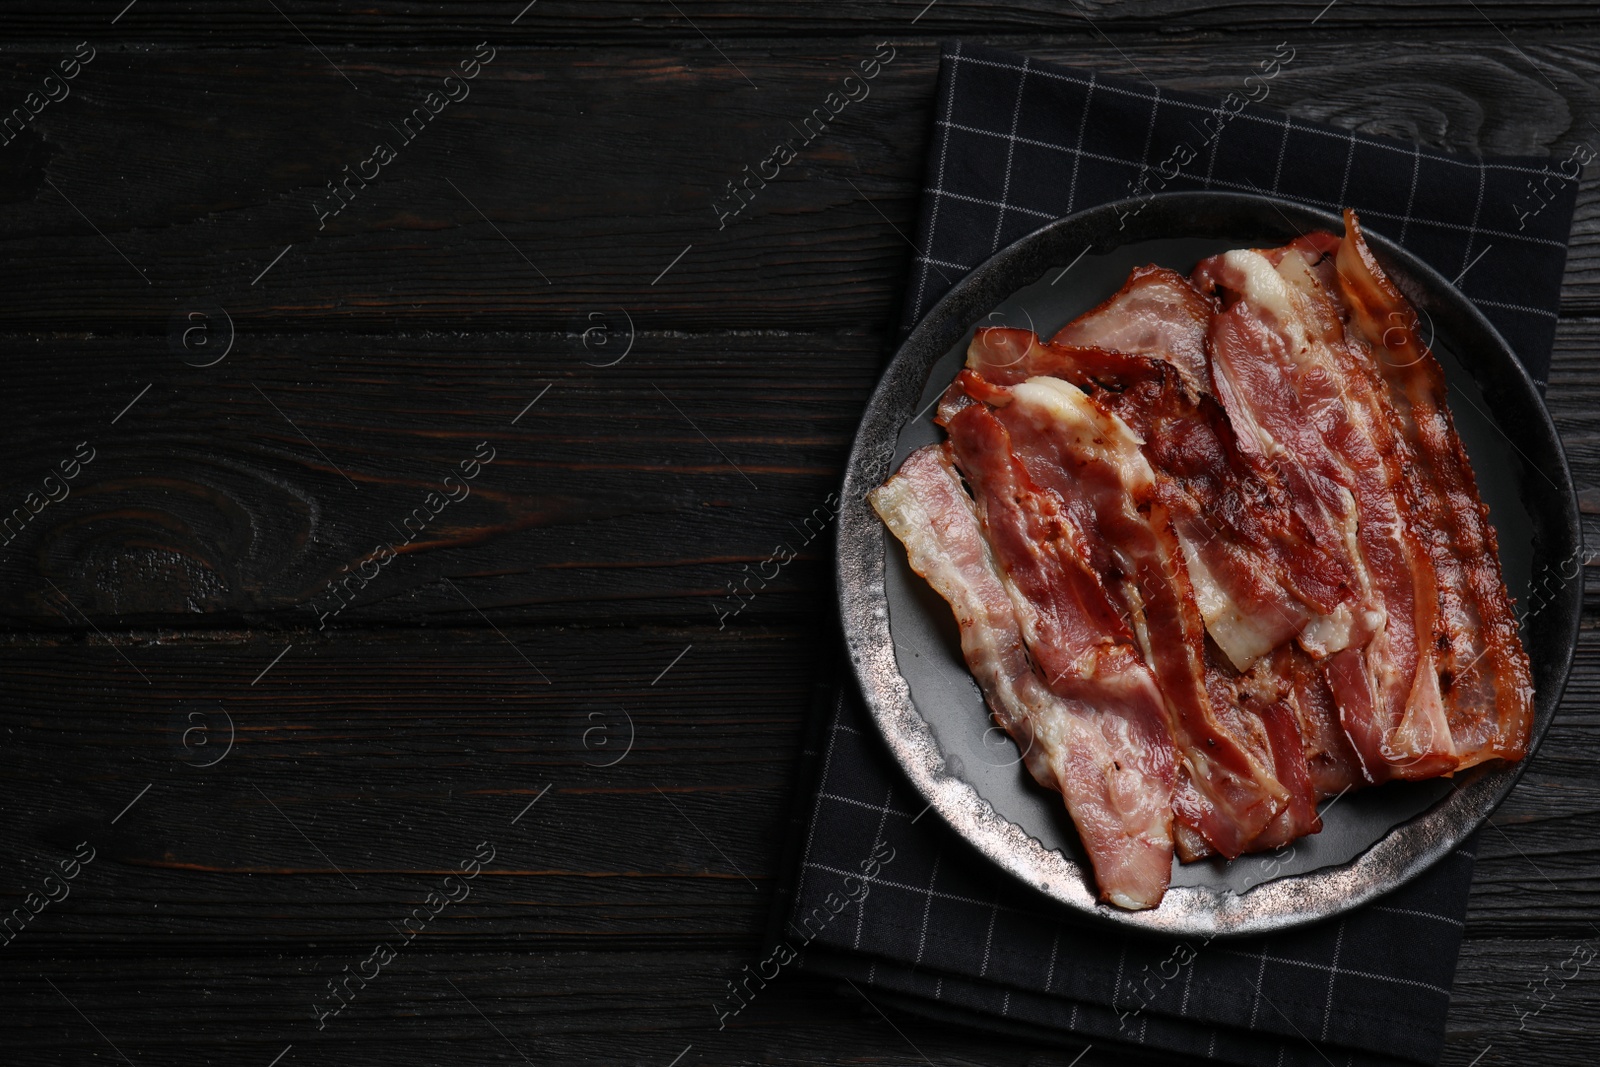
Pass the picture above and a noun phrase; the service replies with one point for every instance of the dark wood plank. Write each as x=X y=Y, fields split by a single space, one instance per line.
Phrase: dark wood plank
x=647 y=488
x=204 y=503
x=201 y=182
x=1517 y=1002
x=236 y=22
x=367 y=765
x=638 y=798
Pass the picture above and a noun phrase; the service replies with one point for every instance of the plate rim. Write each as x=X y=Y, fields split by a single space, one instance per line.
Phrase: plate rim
x=1407 y=849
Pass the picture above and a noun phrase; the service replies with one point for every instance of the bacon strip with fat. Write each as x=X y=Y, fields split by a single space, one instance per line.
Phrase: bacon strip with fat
x=1483 y=670
x=1223 y=555
x=1228 y=790
x=1305 y=406
x=1095 y=735
x=1157 y=312
x=1331 y=762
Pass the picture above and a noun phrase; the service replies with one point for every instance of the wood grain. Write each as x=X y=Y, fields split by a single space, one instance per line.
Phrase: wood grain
x=389 y=755
x=220 y=498
x=223 y=494
x=490 y=1007
x=638 y=1007
x=364 y=768
x=587 y=569
x=517 y=240
x=493 y=1005
x=235 y=22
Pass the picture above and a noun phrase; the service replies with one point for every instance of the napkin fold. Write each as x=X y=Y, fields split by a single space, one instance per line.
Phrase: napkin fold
x=883 y=894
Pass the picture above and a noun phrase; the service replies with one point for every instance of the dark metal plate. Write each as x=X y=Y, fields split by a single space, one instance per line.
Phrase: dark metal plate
x=902 y=639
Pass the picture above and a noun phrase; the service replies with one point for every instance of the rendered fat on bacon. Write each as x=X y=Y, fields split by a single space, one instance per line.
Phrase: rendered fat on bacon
x=1484 y=674
x=1443 y=682
x=1095 y=732
x=1260 y=575
x=1308 y=406
x=1158 y=312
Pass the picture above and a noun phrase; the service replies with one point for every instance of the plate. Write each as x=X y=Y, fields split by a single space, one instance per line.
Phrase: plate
x=903 y=641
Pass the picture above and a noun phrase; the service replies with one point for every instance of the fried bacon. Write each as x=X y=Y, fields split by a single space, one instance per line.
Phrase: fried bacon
x=1316 y=412
x=1222 y=556
x=1483 y=669
x=1331 y=762
x=1227 y=789
x=1157 y=313
x=1095 y=732
x=1260 y=575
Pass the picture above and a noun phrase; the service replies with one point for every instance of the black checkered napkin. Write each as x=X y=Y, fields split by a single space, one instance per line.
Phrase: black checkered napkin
x=942 y=932
x=1017 y=144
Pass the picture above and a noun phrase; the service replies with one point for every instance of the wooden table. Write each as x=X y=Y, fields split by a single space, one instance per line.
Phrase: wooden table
x=270 y=390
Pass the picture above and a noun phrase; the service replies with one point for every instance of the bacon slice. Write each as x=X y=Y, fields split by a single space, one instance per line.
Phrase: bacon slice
x=1483 y=671
x=1157 y=312
x=1223 y=555
x=1228 y=791
x=1307 y=407
x=1072 y=628
x=1259 y=574
x=1095 y=734
x=1309 y=751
